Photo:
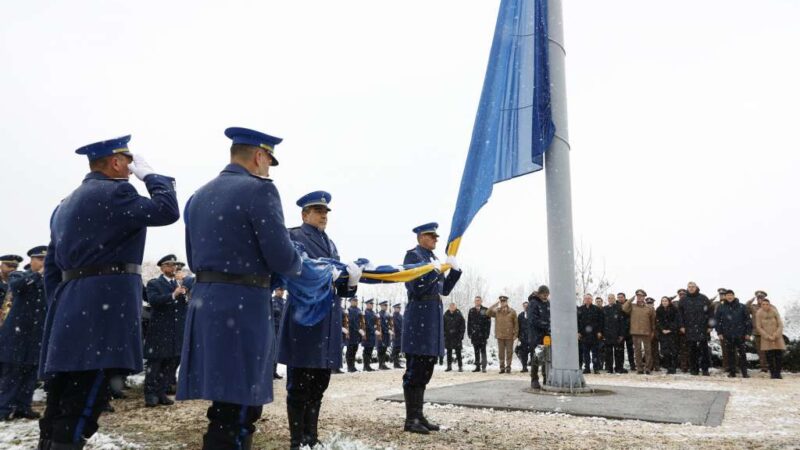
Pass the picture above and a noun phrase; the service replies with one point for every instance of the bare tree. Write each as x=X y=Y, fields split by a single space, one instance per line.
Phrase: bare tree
x=586 y=280
x=470 y=285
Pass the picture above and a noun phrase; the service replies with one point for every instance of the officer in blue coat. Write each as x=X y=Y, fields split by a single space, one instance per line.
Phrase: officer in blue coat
x=372 y=329
x=93 y=282
x=312 y=353
x=278 y=305
x=21 y=340
x=8 y=271
x=385 y=339
x=423 y=328
x=235 y=240
x=397 y=326
x=355 y=333
x=164 y=339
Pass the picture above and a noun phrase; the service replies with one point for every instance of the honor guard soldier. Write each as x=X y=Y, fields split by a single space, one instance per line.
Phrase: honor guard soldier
x=21 y=340
x=235 y=240
x=311 y=353
x=92 y=277
x=397 y=326
x=278 y=304
x=423 y=330
x=372 y=329
x=356 y=333
x=8 y=271
x=387 y=332
x=164 y=337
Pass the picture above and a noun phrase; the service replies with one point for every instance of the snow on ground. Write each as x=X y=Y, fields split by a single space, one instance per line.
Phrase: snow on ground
x=24 y=435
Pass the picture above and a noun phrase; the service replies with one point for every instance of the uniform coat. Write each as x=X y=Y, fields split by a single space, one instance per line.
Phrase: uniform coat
x=278 y=305
x=479 y=325
x=538 y=320
x=454 y=327
x=234 y=224
x=643 y=318
x=386 y=326
x=505 y=323
x=397 y=323
x=769 y=324
x=371 y=325
x=696 y=315
x=164 y=337
x=423 y=329
x=21 y=332
x=355 y=323
x=94 y=322
x=318 y=346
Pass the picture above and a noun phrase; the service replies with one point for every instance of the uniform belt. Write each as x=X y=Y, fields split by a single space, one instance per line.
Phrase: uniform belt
x=101 y=269
x=432 y=297
x=261 y=281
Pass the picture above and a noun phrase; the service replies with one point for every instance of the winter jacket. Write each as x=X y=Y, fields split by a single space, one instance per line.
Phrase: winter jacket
x=667 y=318
x=643 y=318
x=590 y=321
x=769 y=323
x=733 y=320
x=522 y=326
x=538 y=320
x=505 y=324
x=479 y=325
x=696 y=315
x=613 y=322
x=454 y=327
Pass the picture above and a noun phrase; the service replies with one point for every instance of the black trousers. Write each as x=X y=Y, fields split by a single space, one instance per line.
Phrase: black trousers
x=614 y=355
x=382 y=354
x=367 y=355
x=589 y=348
x=75 y=401
x=523 y=353
x=774 y=361
x=669 y=350
x=601 y=352
x=480 y=353
x=419 y=370
x=735 y=345
x=160 y=373
x=629 y=349
x=699 y=355
x=305 y=386
x=395 y=354
x=350 y=356
x=450 y=356
x=228 y=424
x=17 y=382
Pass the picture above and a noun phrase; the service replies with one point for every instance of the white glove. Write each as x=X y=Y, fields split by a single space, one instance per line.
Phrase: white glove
x=453 y=263
x=437 y=265
x=362 y=333
x=335 y=273
x=139 y=167
x=345 y=331
x=354 y=274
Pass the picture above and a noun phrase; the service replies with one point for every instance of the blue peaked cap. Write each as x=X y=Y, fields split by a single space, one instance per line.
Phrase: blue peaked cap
x=316 y=198
x=11 y=259
x=255 y=138
x=38 y=252
x=427 y=228
x=397 y=305
x=106 y=148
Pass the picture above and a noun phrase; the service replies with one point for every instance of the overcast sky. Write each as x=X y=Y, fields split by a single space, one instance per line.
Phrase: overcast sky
x=683 y=124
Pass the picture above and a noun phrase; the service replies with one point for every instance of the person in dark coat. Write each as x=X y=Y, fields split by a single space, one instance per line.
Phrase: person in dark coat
x=236 y=240
x=696 y=317
x=423 y=330
x=626 y=331
x=734 y=327
x=667 y=326
x=278 y=305
x=312 y=353
x=454 y=328
x=164 y=337
x=356 y=333
x=372 y=328
x=590 y=333
x=683 y=347
x=397 y=338
x=93 y=284
x=523 y=350
x=538 y=329
x=385 y=339
x=614 y=336
x=21 y=340
x=8 y=271
x=479 y=326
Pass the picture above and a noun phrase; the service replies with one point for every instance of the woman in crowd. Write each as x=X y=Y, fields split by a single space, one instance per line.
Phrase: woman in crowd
x=770 y=327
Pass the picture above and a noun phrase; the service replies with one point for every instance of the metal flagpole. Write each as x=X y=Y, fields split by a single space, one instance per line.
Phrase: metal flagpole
x=565 y=374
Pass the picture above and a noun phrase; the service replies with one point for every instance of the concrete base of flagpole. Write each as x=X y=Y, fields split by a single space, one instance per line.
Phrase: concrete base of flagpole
x=568 y=381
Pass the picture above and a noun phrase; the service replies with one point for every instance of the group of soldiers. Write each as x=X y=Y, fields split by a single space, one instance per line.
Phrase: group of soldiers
x=81 y=303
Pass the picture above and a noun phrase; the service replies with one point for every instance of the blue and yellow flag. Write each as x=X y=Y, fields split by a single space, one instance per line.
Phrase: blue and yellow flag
x=513 y=127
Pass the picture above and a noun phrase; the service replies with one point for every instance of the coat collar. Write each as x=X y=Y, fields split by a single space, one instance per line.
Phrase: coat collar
x=319 y=238
x=94 y=175
x=235 y=168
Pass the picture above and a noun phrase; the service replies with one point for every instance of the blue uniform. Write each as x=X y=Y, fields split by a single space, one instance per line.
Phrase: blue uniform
x=386 y=338
x=370 y=325
x=278 y=305
x=318 y=346
x=355 y=320
x=398 y=329
x=164 y=337
x=94 y=322
x=234 y=225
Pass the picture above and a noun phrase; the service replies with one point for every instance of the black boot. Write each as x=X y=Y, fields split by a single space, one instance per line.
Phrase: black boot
x=44 y=444
x=311 y=419
x=296 y=415
x=62 y=446
x=367 y=362
x=449 y=366
x=420 y=393
x=382 y=361
x=412 y=423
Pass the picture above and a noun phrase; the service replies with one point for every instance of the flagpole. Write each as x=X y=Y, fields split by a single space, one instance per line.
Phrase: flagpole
x=565 y=373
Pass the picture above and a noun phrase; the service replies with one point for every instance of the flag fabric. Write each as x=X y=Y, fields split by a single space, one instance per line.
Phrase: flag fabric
x=513 y=126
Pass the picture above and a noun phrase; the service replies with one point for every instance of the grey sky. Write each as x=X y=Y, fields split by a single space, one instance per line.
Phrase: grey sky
x=682 y=122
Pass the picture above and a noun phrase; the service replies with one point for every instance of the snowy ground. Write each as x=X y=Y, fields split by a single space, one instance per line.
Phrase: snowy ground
x=761 y=413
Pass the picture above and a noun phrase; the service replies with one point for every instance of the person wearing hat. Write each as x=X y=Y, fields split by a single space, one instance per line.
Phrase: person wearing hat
x=372 y=327
x=506 y=330
x=387 y=330
x=614 y=336
x=235 y=240
x=8 y=271
x=643 y=328
x=311 y=353
x=164 y=337
x=397 y=338
x=21 y=340
x=423 y=329
x=93 y=281
x=752 y=306
x=355 y=332
x=717 y=301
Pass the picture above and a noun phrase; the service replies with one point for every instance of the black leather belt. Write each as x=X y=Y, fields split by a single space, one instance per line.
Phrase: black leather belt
x=426 y=298
x=261 y=281
x=101 y=269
